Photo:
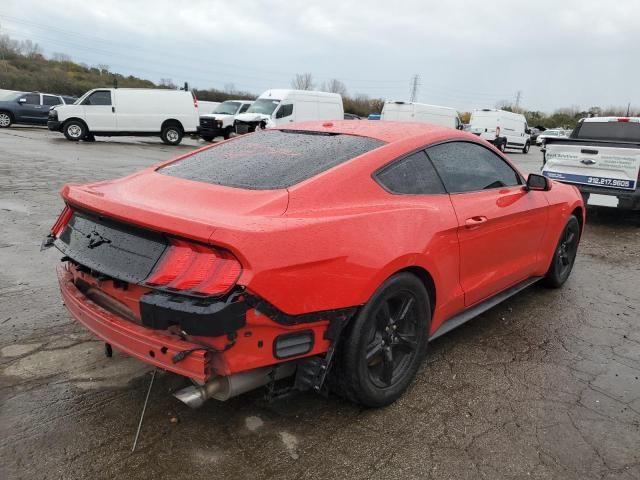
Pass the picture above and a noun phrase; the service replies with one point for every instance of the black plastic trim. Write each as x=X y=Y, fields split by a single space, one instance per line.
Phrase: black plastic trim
x=195 y=317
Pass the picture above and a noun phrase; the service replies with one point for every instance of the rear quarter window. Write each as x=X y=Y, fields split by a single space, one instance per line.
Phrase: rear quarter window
x=270 y=160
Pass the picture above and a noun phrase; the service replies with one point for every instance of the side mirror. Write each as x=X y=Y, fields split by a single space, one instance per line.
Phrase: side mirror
x=22 y=100
x=527 y=131
x=538 y=183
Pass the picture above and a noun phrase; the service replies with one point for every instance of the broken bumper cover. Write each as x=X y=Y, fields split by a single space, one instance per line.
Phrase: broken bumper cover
x=137 y=341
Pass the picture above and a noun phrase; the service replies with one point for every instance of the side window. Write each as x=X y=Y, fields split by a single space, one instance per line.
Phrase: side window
x=244 y=107
x=285 y=111
x=411 y=175
x=51 y=100
x=469 y=167
x=32 y=98
x=102 y=97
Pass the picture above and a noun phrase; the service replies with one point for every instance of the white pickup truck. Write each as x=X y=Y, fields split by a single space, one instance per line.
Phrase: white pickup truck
x=600 y=157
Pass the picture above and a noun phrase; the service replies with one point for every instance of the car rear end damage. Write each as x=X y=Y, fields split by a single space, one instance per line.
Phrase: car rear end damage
x=177 y=304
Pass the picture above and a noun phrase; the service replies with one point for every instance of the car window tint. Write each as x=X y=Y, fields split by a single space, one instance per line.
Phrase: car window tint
x=244 y=107
x=99 y=98
x=270 y=160
x=469 y=167
x=51 y=100
x=411 y=175
x=32 y=99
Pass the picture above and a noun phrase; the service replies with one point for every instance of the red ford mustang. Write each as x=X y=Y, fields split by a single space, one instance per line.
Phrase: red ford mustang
x=329 y=253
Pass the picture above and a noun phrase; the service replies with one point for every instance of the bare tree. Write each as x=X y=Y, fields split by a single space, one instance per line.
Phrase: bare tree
x=303 y=81
x=30 y=49
x=60 y=57
x=229 y=88
x=334 y=86
x=167 y=83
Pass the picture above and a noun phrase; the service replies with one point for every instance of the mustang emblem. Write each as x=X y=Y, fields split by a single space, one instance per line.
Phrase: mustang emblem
x=95 y=239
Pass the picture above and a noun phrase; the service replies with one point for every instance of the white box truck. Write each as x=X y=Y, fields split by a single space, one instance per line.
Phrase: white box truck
x=279 y=107
x=128 y=111
x=421 y=113
x=503 y=129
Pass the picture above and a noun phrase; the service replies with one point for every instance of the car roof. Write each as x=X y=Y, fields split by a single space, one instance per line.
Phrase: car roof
x=610 y=119
x=384 y=130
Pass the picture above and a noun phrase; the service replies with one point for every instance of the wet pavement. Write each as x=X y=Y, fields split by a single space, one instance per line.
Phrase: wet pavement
x=545 y=385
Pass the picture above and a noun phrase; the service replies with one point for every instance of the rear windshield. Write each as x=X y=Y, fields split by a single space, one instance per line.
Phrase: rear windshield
x=270 y=160
x=623 y=131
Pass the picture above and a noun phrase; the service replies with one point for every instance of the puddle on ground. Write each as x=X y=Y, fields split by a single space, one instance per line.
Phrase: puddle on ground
x=83 y=364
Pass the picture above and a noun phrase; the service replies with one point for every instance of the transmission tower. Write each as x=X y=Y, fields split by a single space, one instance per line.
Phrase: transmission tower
x=415 y=83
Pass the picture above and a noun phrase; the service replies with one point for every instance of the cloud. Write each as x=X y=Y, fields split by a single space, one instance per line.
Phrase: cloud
x=468 y=54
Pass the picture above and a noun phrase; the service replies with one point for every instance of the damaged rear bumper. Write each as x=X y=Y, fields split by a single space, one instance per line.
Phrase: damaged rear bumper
x=149 y=346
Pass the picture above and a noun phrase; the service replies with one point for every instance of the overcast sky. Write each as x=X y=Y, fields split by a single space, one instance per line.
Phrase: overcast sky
x=469 y=54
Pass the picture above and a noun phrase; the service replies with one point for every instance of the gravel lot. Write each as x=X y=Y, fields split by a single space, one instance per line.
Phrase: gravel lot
x=546 y=385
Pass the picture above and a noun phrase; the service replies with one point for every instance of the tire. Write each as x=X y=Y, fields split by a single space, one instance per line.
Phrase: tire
x=503 y=146
x=75 y=130
x=208 y=138
x=6 y=119
x=526 y=147
x=172 y=134
x=565 y=254
x=227 y=133
x=383 y=347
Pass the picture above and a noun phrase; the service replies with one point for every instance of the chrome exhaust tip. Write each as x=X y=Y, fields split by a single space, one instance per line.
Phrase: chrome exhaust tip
x=192 y=396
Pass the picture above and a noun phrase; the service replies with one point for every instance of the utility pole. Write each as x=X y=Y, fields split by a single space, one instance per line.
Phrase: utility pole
x=628 y=107
x=518 y=97
x=414 y=88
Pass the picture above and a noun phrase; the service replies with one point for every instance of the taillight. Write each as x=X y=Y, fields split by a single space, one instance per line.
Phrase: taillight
x=195 y=100
x=62 y=221
x=195 y=269
x=625 y=120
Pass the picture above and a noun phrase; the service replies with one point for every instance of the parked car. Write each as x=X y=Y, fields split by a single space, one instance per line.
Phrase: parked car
x=27 y=108
x=352 y=116
x=341 y=247
x=205 y=107
x=280 y=107
x=219 y=123
x=111 y=112
x=503 y=129
x=535 y=131
x=421 y=112
x=601 y=158
x=550 y=133
x=374 y=116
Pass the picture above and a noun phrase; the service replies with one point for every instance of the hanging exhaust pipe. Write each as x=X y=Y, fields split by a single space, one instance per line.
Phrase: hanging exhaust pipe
x=224 y=388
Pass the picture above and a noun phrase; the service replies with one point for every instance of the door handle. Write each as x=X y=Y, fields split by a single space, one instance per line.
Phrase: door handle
x=113 y=109
x=474 y=222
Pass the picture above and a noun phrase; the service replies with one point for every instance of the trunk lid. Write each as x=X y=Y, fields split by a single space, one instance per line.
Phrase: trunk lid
x=176 y=206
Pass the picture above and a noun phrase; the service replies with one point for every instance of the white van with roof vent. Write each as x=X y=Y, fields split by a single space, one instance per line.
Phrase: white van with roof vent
x=421 y=113
x=128 y=111
x=503 y=129
x=280 y=107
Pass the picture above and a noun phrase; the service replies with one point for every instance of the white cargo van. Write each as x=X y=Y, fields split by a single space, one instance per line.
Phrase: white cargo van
x=503 y=129
x=128 y=111
x=279 y=107
x=421 y=113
